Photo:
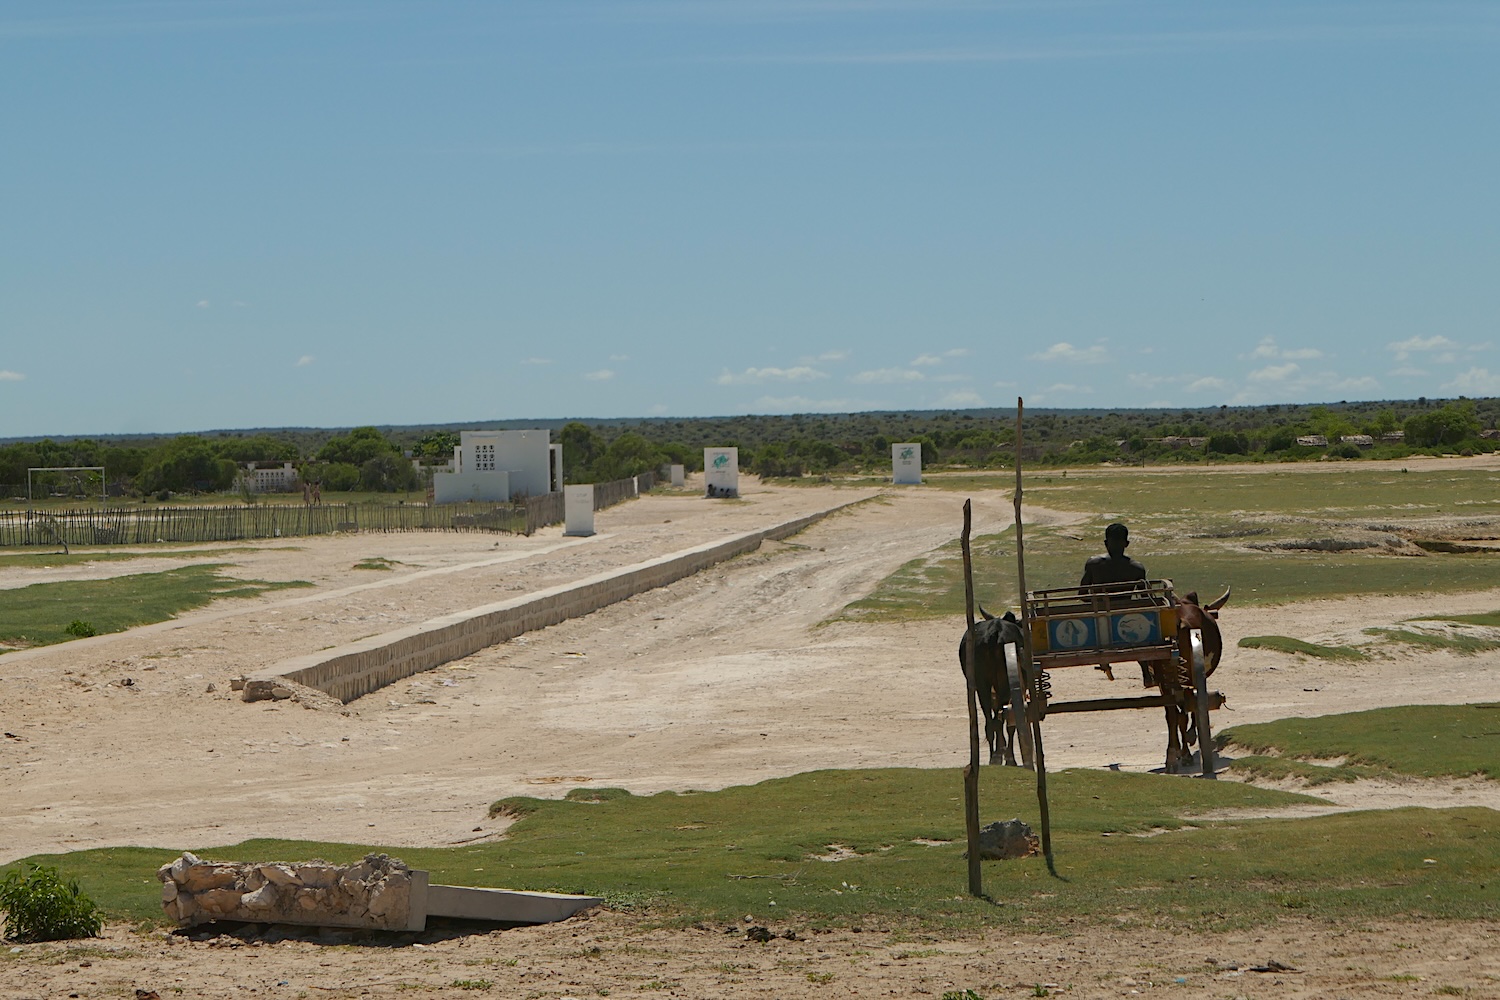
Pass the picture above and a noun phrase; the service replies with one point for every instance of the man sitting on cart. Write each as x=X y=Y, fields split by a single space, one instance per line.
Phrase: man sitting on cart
x=1115 y=567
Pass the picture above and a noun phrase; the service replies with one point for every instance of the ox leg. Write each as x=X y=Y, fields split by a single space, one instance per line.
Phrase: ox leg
x=1174 y=745
x=991 y=720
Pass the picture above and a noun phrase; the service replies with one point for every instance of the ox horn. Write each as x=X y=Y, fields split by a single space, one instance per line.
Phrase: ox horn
x=1214 y=606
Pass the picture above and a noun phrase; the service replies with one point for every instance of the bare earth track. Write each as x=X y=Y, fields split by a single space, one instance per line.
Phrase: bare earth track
x=722 y=679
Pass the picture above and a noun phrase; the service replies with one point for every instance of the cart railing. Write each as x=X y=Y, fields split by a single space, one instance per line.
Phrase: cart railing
x=1103 y=623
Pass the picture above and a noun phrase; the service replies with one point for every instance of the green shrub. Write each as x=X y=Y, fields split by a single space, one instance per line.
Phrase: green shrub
x=80 y=628
x=40 y=906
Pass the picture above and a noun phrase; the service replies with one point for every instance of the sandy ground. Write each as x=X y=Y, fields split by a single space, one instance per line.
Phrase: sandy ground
x=726 y=678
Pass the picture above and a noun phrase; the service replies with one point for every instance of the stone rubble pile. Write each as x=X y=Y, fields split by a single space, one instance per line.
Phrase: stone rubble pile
x=374 y=893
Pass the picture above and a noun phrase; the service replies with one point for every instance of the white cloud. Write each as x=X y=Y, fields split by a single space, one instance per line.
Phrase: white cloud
x=1269 y=350
x=802 y=403
x=1148 y=380
x=1207 y=383
x=203 y=303
x=1275 y=373
x=754 y=376
x=837 y=355
x=952 y=377
x=657 y=409
x=1409 y=371
x=1265 y=349
x=619 y=357
x=961 y=397
x=1362 y=383
x=9 y=376
x=887 y=376
x=928 y=360
x=1060 y=393
x=1412 y=345
x=237 y=304
x=1475 y=382
x=537 y=361
x=1064 y=351
x=602 y=375
x=305 y=360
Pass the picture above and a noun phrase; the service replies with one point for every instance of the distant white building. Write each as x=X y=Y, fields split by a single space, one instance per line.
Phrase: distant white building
x=496 y=466
x=266 y=478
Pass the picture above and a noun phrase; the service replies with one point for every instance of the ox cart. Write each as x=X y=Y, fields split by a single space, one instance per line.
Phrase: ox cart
x=1106 y=624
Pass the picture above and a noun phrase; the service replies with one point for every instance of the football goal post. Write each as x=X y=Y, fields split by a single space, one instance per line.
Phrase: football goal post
x=81 y=481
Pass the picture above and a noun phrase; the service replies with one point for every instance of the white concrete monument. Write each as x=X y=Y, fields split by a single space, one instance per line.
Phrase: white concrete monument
x=721 y=472
x=578 y=509
x=496 y=466
x=906 y=463
x=678 y=476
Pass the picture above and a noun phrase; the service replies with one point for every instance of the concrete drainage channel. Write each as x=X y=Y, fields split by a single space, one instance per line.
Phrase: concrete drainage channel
x=350 y=671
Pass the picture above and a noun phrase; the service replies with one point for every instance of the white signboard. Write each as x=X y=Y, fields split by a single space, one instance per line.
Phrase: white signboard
x=578 y=509
x=721 y=472
x=678 y=476
x=906 y=463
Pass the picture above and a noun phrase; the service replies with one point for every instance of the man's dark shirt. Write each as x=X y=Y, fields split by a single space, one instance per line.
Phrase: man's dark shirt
x=1110 y=569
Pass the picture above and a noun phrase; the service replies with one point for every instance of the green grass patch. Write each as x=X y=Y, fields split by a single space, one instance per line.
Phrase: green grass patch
x=1197 y=528
x=1489 y=619
x=1286 y=644
x=1258 y=768
x=720 y=855
x=1465 y=645
x=377 y=563
x=1429 y=741
x=41 y=614
x=82 y=555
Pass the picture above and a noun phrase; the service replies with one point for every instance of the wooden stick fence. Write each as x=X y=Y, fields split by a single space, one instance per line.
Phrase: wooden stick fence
x=145 y=525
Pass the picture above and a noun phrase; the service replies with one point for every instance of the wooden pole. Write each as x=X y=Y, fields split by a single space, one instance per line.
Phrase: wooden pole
x=1041 y=794
x=1201 y=705
x=971 y=772
x=1028 y=669
x=1020 y=532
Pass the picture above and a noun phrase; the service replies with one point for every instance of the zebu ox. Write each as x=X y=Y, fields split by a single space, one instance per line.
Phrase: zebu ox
x=991 y=681
x=1182 y=720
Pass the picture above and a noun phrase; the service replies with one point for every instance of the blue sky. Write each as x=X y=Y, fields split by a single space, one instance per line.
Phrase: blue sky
x=226 y=213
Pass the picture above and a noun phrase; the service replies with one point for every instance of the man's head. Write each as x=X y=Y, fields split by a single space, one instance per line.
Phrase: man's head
x=1116 y=539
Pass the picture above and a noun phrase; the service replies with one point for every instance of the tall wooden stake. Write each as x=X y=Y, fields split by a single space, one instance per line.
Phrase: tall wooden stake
x=971 y=772
x=1034 y=724
x=1020 y=532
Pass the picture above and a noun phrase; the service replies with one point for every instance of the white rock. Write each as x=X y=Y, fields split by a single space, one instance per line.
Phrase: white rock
x=263 y=898
x=280 y=874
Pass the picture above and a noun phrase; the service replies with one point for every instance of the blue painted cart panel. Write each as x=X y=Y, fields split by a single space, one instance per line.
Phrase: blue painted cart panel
x=1129 y=628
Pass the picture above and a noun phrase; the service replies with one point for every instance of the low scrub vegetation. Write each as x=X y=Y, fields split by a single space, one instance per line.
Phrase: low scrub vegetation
x=373 y=459
x=40 y=905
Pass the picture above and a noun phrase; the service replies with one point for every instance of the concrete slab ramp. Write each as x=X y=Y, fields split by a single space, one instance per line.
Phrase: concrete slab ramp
x=350 y=671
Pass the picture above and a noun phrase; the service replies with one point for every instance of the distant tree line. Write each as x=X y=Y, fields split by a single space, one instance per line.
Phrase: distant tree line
x=379 y=459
